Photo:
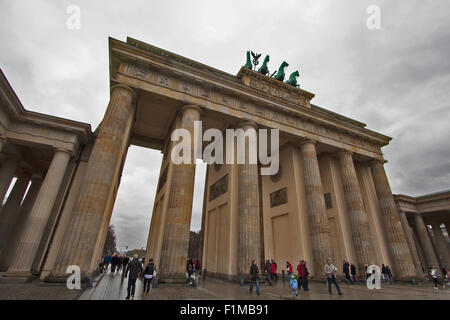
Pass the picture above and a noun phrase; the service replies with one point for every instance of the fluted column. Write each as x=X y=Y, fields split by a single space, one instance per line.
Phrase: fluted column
x=34 y=228
x=179 y=211
x=92 y=201
x=10 y=211
x=24 y=212
x=7 y=171
x=411 y=244
x=315 y=203
x=359 y=224
x=403 y=268
x=427 y=245
x=442 y=247
x=249 y=233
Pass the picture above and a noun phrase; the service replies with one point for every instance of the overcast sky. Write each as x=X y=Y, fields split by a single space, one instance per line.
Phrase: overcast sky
x=396 y=79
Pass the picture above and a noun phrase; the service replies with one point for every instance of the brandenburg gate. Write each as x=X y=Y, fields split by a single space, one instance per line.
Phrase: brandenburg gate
x=329 y=199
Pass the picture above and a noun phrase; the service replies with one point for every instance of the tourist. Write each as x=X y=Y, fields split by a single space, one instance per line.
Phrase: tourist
x=197 y=267
x=267 y=271
x=301 y=275
x=330 y=271
x=125 y=262
x=149 y=272
x=254 y=271
x=384 y=273
x=389 y=274
x=108 y=260
x=294 y=284
x=353 y=273
x=434 y=275
x=134 y=269
x=346 y=270
x=366 y=267
x=273 y=270
x=305 y=278
x=288 y=268
x=189 y=268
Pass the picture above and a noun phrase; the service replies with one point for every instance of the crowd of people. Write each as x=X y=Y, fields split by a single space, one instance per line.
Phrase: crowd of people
x=299 y=281
x=133 y=268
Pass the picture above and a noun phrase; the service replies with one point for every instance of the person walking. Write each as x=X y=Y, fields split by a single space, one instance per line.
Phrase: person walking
x=108 y=260
x=149 y=272
x=288 y=268
x=254 y=275
x=434 y=275
x=353 y=273
x=305 y=278
x=197 y=267
x=389 y=274
x=330 y=271
x=293 y=283
x=125 y=261
x=346 y=270
x=189 y=268
x=273 y=270
x=301 y=274
x=134 y=269
x=268 y=273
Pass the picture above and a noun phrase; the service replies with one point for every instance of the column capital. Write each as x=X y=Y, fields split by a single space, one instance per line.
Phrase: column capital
x=307 y=141
x=246 y=123
x=191 y=106
x=342 y=152
x=69 y=152
x=373 y=162
x=131 y=90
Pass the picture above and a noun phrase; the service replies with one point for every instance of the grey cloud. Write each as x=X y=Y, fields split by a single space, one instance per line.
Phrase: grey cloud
x=396 y=79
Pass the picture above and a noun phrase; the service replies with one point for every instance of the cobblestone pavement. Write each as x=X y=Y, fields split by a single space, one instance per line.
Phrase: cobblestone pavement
x=37 y=291
x=113 y=287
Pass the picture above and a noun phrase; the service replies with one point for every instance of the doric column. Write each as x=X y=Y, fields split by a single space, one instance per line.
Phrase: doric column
x=403 y=268
x=315 y=203
x=425 y=242
x=35 y=226
x=7 y=171
x=359 y=224
x=411 y=244
x=24 y=212
x=249 y=232
x=442 y=246
x=98 y=183
x=179 y=211
x=10 y=211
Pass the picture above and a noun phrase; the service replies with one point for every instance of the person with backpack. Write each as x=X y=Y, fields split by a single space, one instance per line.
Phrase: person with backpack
x=434 y=275
x=254 y=275
x=149 y=272
x=294 y=284
x=134 y=269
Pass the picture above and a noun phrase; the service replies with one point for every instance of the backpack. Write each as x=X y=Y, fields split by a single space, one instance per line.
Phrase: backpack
x=149 y=269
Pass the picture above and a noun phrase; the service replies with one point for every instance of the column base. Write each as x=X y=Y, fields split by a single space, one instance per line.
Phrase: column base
x=17 y=277
x=179 y=278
